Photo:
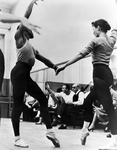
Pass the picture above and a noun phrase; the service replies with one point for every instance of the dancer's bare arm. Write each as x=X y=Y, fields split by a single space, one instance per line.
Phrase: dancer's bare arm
x=70 y=62
x=29 y=9
x=46 y=61
x=82 y=54
x=9 y=18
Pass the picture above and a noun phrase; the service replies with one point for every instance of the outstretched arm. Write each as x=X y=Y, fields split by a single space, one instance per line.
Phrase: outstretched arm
x=46 y=61
x=82 y=54
x=70 y=62
x=75 y=59
x=9 y=18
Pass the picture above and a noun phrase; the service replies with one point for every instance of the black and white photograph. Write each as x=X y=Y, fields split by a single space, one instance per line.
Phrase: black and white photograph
x=58 y=74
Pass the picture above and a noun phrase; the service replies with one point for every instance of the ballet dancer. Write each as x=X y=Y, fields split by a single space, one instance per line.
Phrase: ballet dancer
x=22 y=82
x=9 y=18
x=101 y=48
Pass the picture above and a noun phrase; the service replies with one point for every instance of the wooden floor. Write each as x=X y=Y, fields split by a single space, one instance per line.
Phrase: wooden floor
x=34 y=135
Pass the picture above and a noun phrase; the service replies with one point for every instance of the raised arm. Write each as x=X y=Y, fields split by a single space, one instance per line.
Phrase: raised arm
x=49 y=90
x=29 y=9
x=27 y=14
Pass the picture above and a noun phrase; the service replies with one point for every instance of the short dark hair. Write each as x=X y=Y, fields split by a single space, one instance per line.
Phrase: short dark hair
x=67 y=86
x=103 y=24
x=59 y=90
x=30 y=33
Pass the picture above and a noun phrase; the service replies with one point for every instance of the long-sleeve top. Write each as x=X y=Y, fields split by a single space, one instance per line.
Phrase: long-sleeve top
x=101 y=48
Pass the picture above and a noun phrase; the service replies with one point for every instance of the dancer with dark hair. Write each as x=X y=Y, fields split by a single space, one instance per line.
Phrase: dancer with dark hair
x=9 y=18
x=22 y=82
x=101 y=48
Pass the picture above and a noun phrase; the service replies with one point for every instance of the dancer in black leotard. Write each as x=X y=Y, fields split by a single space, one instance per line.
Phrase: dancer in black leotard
x=22 y=82
x=8 y=18
x=101 y=48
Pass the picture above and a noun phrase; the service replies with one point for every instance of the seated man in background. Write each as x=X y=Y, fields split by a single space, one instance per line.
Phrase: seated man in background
x=64 y=97
x=74 y=105
x=78 y=98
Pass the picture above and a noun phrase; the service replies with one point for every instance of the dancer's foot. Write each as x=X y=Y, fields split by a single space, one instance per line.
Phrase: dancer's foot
x=83 y=137
x=20 y=143
x=51 y=136
x=110 y=146
x=108 y=135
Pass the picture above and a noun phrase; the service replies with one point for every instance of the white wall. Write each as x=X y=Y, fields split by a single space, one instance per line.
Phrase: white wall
x=66 y=29
x=5 y=41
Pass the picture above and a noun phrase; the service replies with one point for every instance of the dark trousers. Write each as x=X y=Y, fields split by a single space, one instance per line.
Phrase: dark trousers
x=68 y=110
x=22 y=82
x=103 y=79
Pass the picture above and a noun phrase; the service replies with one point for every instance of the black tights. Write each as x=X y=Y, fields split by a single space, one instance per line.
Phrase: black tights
x=22 y=82
x=103 y=79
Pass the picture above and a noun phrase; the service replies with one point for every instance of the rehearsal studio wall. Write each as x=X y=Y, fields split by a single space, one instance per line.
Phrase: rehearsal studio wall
x=66 y=29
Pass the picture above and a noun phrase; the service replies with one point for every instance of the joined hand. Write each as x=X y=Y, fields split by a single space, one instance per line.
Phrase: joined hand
x=59 y=70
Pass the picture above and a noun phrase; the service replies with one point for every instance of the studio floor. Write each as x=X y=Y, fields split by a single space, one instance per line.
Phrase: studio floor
x=34 y=135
